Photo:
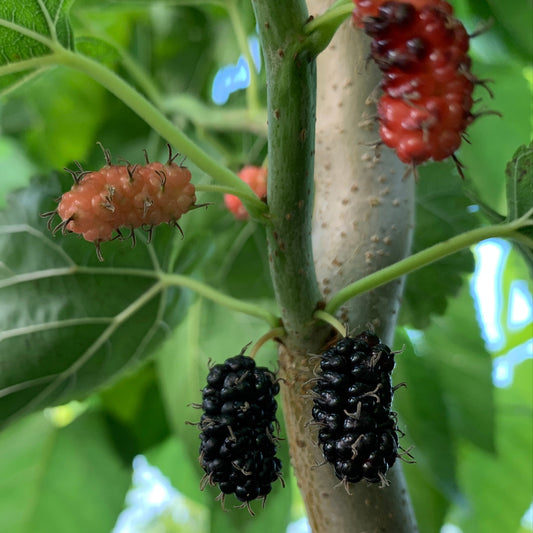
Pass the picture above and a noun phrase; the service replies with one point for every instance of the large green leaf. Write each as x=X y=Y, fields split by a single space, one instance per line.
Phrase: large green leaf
x=134 y=412
x=16 y=167
x=430 y=505
x=59 y=480
x=67 y=323
x=63 y=129
x=456 y=352
x=425 y=418
x=441 y=212
x=27 y=32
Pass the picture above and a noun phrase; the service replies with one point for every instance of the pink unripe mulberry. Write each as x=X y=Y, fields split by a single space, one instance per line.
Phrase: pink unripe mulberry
x=256 y=178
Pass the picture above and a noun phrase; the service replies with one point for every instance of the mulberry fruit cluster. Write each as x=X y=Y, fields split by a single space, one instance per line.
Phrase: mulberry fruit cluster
x=352 y=408
x=238 y=425
x=256 y=178
x=421 y=48
x=131 y=196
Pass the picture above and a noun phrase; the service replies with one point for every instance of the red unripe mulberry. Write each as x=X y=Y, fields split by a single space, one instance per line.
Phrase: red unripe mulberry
x=421 y=48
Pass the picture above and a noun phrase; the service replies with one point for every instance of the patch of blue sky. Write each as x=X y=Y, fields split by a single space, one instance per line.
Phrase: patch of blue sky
x=486 y=286
x=520 y=305
x=151 y=495
x=527 y=519
x=450 y=528
x=232 y=78
x=503 y=367
x=299 y=526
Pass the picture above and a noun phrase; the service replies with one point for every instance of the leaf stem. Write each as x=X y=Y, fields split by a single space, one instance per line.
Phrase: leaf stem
x=207 y=187
x=219 y=297
x=273 y=333
x=422 y=259
x=29 y=64
x=331 y=320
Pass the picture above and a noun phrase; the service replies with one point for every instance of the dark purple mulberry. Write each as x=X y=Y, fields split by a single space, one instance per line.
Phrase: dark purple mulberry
x=352 y=409
x=238 y=442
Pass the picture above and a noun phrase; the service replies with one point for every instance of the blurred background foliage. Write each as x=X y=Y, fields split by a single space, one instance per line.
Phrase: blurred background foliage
x=69 y=468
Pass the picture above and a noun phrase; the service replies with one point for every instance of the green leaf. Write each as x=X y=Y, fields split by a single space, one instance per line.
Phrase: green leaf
x=63 y=129
x=493 y=139
x=430 y=504
x=16 y=167
x=28 y=32
x=514 y=21
x=99 y=49
x=458 y=356
x=441 y=213
x=240 y=263
x=519 y=173
x=59 y=480
x=499 y=487
x=422 y=408
x=134 y=412
x=67 y=323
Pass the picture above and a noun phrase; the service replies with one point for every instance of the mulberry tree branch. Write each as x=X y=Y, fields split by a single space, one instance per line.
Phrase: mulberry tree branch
x=291 y=84
x=363 y=217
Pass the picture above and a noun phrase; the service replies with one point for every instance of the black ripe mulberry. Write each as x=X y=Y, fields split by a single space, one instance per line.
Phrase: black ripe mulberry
x=352 y=409
x=238 y=427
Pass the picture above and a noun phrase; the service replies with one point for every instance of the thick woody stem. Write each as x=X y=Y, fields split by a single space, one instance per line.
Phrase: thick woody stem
x=363 y=218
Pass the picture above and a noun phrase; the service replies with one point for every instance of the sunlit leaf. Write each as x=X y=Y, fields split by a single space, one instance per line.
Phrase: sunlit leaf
x=134 y=413
x=425 y=418
x=28 y=31
x=458 y=356
x=63 y=129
